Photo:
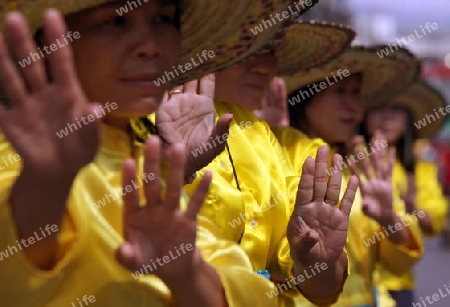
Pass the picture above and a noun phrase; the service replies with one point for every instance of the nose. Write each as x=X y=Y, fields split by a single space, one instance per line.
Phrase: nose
x=354 y=102
x=144 y=40
x=265 y=64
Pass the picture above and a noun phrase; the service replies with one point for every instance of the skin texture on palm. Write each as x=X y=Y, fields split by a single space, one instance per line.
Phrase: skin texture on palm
x=317 y=230
x=377 y=190
x=188 y=117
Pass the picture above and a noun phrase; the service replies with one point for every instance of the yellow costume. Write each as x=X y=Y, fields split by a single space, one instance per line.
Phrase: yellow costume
x=92 y=231
x=257 y=216
x=429 y=199
x=366 y=244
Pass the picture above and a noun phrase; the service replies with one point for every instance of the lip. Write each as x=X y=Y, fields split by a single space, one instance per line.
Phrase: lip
x=256 y=86
x=143 y=81
x=348 y=121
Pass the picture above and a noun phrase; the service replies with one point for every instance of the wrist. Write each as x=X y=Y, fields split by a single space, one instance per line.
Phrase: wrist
x=410 y=207
x=187 y=274
x=388 y=220
x=332 y=263
x=62 y=179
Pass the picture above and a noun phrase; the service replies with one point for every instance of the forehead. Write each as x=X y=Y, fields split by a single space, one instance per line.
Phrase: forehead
x=119 y=3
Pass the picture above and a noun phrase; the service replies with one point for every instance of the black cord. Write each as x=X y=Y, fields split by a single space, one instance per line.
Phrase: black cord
x=232 y=165
x=237 y=182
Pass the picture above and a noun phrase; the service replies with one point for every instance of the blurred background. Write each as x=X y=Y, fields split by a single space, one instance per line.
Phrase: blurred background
x=385 y=21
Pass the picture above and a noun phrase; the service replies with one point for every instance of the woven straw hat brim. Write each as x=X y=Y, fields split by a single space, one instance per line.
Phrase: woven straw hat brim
x=233 y=45
x=421 y=99
x=381 y=77
x=220 y=26
x=308 y=44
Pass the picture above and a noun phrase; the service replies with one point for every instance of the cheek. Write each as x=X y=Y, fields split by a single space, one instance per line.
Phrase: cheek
x=229 y=84
x=170 y=44
x=373 y=123
x=315 y=113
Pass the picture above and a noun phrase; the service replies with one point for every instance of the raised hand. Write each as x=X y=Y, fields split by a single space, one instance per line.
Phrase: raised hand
x=376 y=187
x=187 y=116
x=274 y=109
x=317 y=230
x=158 y=230
x=37 y=108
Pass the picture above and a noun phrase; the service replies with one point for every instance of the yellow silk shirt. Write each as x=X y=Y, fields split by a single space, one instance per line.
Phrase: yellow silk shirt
x=429 y=199
x=92 y=231
x=363 y=248
x=259 y=213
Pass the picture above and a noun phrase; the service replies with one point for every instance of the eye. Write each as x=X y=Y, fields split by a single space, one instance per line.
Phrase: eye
x=167 y=19
x=119 y=20
x=356 y=91
x=339 y=89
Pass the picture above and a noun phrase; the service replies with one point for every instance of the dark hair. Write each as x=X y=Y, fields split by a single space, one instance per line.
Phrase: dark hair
x=297 y=107
x=297 y=110
x=404 y=146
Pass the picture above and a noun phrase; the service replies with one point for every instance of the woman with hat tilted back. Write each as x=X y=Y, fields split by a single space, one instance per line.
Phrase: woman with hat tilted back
x=323 y=105
x=116 y=239
x=403 y=119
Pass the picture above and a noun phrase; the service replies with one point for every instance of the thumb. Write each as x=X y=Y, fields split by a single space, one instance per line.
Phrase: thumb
x=221 y=130
x=126 y=256
x=367 y=209
x=304 y=239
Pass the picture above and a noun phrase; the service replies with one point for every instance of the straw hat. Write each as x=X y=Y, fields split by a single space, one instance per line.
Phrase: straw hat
x=382 y=76
x=307 y=44
x=238 y=47
x=423 y=102
x=206 y=25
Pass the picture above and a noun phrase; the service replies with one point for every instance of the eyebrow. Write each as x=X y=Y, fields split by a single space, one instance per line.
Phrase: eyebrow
x=161 y=3
x=165 y=3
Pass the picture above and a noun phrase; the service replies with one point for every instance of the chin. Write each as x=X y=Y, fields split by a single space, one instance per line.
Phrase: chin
x=251 y=104
x=140 y=108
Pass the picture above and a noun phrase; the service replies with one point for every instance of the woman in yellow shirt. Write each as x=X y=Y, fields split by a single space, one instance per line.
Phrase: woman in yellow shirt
x=255 y=197
x=416 y=113
x=83 y=218
x=332 y=113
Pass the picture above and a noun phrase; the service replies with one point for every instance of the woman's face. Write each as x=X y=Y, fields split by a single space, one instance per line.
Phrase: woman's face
x=246 y=83
x=334 y=113
x=390 y=121
x=117 y=58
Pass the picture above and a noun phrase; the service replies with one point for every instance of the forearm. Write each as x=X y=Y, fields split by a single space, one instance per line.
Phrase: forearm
x=426 y=224
x=35 y=204
x=323 y=283
x=401 y=235
x=200 y=287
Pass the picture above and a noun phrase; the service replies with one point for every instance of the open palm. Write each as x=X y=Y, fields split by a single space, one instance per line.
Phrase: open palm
x=376 y=186
x=188 y=116
x=317 y=230
x=33 y=116
x=160 y=230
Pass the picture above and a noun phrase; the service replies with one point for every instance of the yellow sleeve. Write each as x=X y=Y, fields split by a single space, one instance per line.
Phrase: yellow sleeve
x=399 y=259
x=242 y=286
x=429 y=194
x=20 y=279
x=297 y=146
